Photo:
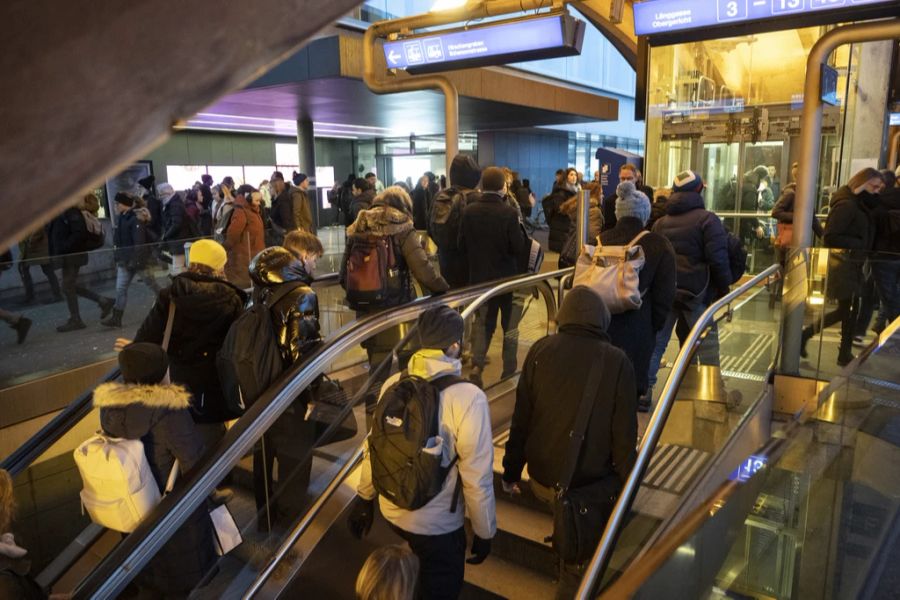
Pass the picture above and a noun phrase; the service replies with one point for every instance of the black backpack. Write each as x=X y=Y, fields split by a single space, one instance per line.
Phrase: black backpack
x=250 y=359
x=446 y=217
x=406 y=418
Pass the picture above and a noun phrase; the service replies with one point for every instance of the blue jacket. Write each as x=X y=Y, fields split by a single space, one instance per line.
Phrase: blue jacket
x=130 y=238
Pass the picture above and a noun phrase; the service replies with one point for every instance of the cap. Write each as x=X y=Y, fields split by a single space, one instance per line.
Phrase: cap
x=209 y=253
x=687 y=181
x=440 y=327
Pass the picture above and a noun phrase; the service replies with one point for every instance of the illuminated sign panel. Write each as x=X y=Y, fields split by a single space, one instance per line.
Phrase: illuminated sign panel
x=545 y=37
x=748 y=468
x=664 y=16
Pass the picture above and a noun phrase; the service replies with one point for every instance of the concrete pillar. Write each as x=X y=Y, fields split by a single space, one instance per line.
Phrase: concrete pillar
x=864 y=134
x=306 y=150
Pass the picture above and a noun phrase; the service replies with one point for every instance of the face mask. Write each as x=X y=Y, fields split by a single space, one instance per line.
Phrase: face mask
x=454 y=351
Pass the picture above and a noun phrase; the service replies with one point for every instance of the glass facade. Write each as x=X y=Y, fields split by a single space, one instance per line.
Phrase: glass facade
x=583 y=148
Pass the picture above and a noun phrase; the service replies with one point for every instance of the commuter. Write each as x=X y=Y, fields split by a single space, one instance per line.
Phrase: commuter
x=344 y=199
x=34 y=251
x=374 y=182
x=19 y=323
x=421 y=199
x=153 y=204
x=568 y=254
x=492 y=239
x=244 y=235
x=193 y=211
x=206 y=182
x=558 y=221
x=751 y=228
x=222 y=202
x=548 y=399
x=300 y=202
x=446 y=216
x=282 y=214
x=176 y=226
x=295 y=316
x=144 y=406
x=658 y=208
x=390 y=573
x=69 y=242
x=886 y=264
x=703 y=271
x=849 y=231
x=524 y=197
x=15 y=580
x=266 y=192
x=206 y=306
x=627 y=172
x=363 y=196
x=131 y=254
x=436 y=532
x=635 y=331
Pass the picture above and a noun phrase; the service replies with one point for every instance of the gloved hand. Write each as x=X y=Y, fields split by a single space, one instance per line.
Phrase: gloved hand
x=480 y=550
x=361 y=517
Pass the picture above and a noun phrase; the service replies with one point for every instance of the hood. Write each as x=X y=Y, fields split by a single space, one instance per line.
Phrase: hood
x=171 y=396
x=277 y=265
x=381 y=220
x=465 y=172
x=584 y=309
x=142 y=215
x=431 y=364
x=682 y=202
x=203 y=297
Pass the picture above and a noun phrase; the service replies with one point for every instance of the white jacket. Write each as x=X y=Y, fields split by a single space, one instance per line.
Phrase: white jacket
x=465 y=423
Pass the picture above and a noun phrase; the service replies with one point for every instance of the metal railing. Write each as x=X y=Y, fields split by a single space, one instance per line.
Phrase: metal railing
x=651 y=437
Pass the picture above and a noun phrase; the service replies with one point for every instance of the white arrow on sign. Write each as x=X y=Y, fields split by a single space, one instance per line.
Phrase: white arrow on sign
x=393 y=57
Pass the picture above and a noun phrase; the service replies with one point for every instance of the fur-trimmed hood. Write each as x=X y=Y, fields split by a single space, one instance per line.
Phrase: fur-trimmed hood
x=142 y=214
x=381 y=220
x=114 y=394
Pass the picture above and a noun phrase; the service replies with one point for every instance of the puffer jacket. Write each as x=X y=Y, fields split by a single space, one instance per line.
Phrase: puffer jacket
x=465 y=427
x=850 y=232
x=701 y=247
x=244 y=239
x=296 y=315
x=558 y=221
x=383 y=220
x=159 y=416
x=130 y=238
x=360 y=203
x=205 y=308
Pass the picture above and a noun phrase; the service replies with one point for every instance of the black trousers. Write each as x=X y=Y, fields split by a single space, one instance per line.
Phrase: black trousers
x=846 y=315
x=49 y=273
x=71 y=290
x=442 y=562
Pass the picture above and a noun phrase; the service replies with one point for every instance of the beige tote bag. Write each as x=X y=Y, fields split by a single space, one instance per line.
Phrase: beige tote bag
x=613 y=272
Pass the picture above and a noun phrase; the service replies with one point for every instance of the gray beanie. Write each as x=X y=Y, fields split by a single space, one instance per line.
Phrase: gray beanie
x=439 y=328
x=632 y=203
x=583 y=306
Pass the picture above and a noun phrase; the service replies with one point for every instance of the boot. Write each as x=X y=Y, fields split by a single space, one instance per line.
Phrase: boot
x=106 y=306
x=115 y=320
x=22 y=326
x=475 y=376
x=807 y=335
x=645 y=401
x=73 y=324
x=845 y=359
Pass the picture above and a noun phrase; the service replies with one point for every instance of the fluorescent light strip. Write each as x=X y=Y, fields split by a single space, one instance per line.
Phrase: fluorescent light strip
x=232 y=128
x=293 y=124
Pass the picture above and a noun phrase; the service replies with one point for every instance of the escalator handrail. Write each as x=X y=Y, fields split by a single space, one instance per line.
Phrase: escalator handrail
x=23 y=456
x=129 y=557
x=357 y=455
x=654 y=430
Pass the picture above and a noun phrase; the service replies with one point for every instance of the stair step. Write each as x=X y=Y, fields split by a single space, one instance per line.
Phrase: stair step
x=520 y=537
x=499 y=578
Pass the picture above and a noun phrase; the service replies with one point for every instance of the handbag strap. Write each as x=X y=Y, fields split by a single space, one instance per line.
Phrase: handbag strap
x=173 y=475
x=576 y=435
x=170 y=321
x=637 y=238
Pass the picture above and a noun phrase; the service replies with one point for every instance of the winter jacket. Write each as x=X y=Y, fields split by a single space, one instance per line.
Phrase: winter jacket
x=302 y=212
x=205 y=307
x=421 y=199
x=159 y=416
x=609 y=208
x=491 y=238
x=465 y=426
x=282 y=213
x=547 y=399
x=67 y=235
x=850 y=230
x=154 y=205
x=176 y=224
x=701 y=247
x=130 y=238
x=444 y=223
x=657 y=212
x=558 y=221
x=383 y=220
x=15 y=581
x=886 y=239
x=567 y=256
x=296 y=315
x=35 y=248
x=783 y=212
x=244 y=239
x=360 y=203
x=635 y=331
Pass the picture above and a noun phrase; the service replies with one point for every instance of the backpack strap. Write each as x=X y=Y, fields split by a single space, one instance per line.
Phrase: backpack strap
x=579 y=427
x=283 y=290
x=170 y=321
x=442 y=383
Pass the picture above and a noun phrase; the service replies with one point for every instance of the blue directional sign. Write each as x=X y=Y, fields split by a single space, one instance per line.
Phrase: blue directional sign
x=664 y=16
x=748 y=468
x=497 y=43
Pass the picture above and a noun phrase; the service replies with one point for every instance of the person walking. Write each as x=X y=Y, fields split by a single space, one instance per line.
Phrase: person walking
x=303 y=217
x=176 y=226
x=18 y=322
x=244 y=235
x=436 y=531
x=363 y=194
x=34 y=251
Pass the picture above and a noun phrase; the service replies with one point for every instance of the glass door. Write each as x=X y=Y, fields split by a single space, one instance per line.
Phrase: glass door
x=760 y=185
x=720 y=172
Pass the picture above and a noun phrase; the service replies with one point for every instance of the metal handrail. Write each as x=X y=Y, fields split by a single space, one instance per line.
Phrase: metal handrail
x=357 y=455
x=134 y=552
x=654 y=430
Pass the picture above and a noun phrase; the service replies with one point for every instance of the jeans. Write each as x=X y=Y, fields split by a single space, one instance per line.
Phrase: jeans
x=682 y=319
x=887 y=282
x=509 y=307
x=442 y=562
x=71 y=290
x=124 y=276
x=49 y=273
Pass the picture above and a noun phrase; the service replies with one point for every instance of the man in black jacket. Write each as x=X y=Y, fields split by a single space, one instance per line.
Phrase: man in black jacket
x=492 y=239
x=176 y=226
x=547 y=400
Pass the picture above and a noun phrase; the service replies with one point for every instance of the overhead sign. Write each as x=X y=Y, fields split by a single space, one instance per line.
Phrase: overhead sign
x=829 y=86
x=665 y=16
x=491 y=44
x=748 y=468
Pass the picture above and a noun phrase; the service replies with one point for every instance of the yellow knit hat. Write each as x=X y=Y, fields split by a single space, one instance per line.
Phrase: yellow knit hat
x=209 y=253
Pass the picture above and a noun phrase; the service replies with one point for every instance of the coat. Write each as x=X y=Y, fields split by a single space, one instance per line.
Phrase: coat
x=176 y=224
x=159 y=416
x=130 y=238
x=557 y=220
x=296 y=315
x=850 y=230
x=67 y=235
x=635 y=331
x=282 y=213
x=491 y=238
x=701 y=247
x=303 y=218
x=783 y=212
x=245 y=237
x=886 y=240
x=421 y=199
x=383 y=220
x=205 y=307
x=15 y=580
x=360 y=203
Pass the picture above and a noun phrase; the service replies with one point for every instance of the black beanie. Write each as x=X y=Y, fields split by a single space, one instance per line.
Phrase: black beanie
x=583 y=306
x=464 y=172
x=147 y=182
x=299 y=178
x=143 y=363
x=123 y=198
x=439 y=328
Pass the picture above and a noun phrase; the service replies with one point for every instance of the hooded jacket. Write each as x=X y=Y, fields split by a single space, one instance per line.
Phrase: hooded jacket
x=159 y=416
x=849 y=230
x=548 y=396
x=205 y=308
x=244 y=239
x=296 y=315
x=130 y=238
x=491 y=238
x=700 y=243
x=176 y=224
x=465 y=426
x=384 y=220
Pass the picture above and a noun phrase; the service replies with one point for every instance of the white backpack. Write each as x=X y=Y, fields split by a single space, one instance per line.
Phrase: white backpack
x=119 y=488
x=614 y=273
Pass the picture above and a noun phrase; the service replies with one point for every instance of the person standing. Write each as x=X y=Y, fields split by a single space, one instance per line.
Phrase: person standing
x=153 y=204
x=436 y=531
x=244 y=235
x=558 y=221
x=886 y=265
x=421 y=199
x=175 y=226
x=627 y=172
x=303 y=218
x=34 y=250
x=19 y=323
x=281 y=215
x=446 y=215
x=376 y=183
x=362 y=197
x=547 y=402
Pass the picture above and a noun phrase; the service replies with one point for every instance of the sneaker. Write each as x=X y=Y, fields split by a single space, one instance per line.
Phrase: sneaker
x=71 y=325
x=22 y=327
x=859 y=340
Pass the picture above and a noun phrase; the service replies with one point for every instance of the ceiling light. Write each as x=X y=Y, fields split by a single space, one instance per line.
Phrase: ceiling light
x=442 y=5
